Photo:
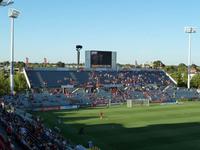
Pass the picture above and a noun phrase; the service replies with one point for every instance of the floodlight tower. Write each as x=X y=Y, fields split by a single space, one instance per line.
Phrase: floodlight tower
x=189 y=30
x=13 y=14
x=6 y=2
x=78 y=49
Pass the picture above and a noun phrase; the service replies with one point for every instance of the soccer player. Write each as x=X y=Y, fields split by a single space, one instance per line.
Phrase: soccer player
x=101 y=115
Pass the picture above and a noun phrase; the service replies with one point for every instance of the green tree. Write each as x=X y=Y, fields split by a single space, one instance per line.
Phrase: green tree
x=20 y=82
x=60 y=64
x=6 y=63
x=20 y=65
x=158 y=64
x=170 y=69
x=182 y=67
x=195 y=81
x=4 y=84
x=181 y=78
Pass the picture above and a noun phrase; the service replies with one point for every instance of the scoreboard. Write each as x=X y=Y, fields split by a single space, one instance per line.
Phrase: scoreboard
x=100 y=59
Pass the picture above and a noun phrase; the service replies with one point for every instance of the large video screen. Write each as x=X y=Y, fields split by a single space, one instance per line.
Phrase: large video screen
x=101 y=59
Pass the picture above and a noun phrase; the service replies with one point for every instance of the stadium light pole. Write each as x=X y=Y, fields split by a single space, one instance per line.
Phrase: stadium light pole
x=78 y=49
x=189 y=30
x=13 y=14
x=6 y=2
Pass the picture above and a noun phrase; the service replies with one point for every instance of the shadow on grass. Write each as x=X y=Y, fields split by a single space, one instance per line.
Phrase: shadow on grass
x=182 y=136
x=177 y=136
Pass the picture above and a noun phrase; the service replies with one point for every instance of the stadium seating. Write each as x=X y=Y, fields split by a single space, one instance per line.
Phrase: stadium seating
x=150 y=84
x=56 y=78
x=30 y=133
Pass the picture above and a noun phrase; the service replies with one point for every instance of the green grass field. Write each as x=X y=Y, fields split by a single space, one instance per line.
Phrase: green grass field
x=159 y=127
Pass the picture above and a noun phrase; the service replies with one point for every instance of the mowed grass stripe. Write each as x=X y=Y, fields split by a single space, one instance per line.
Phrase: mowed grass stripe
x=142 y=118
x=154 y=127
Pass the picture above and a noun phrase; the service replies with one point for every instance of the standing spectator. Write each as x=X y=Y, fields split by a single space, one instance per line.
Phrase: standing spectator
x=9 y=129
x=90 y=144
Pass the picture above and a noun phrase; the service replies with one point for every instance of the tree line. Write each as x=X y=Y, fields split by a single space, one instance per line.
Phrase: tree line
x=19 y=82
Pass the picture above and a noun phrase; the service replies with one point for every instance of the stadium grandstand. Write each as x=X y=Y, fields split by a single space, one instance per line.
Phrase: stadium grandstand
x=65 y=89
x=52 y=88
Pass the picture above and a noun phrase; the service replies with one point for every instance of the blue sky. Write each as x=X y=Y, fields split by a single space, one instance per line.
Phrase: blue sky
x=142 y=30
